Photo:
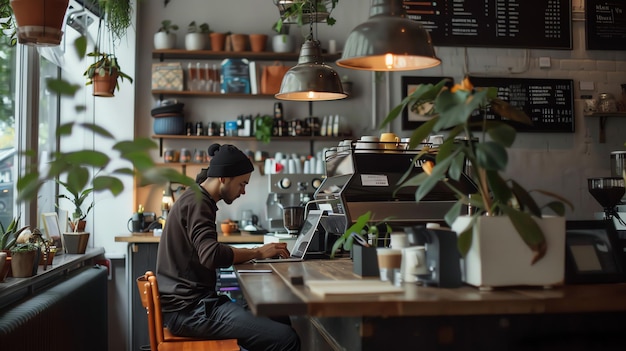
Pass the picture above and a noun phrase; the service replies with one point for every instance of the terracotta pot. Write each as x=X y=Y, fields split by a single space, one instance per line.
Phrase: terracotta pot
x=217 y=41
x=239 y=42
x=48 y=261
x=5 y=269
x=39 y=22
x=81 y=226
x=75 y=243
x=104 y=86
x=258 y=42
x=23 y=264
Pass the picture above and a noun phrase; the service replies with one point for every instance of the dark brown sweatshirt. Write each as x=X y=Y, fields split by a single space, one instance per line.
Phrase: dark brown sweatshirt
x=189 y=253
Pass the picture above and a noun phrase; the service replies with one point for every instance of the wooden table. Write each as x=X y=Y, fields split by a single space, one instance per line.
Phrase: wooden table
x=573 y=316
x=238 y=238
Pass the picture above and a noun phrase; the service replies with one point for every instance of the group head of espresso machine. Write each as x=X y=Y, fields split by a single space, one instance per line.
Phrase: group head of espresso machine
x=288 y=190
x=358 y=182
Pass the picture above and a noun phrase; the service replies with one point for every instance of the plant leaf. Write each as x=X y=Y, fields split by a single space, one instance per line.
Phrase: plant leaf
x=528 y=230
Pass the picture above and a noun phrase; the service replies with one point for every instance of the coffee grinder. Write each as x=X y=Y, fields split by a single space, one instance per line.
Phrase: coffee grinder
x=289 y=192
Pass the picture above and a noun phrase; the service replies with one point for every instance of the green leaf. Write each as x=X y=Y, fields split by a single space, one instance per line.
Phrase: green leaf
x=499 y=187
x=491 y=156
x=528 y=230
x=525 y=200
x=62 y=87
x=114 y=185
x=501 y=133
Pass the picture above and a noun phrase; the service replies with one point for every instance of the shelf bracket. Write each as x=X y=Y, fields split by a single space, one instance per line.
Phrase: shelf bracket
x=602 y=136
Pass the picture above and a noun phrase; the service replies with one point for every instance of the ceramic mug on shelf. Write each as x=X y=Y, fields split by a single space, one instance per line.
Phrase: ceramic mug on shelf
x=390 y=141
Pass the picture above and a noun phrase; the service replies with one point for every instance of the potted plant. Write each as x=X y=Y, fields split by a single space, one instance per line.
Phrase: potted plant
x=24 y=259
x=304 y=11
x=196 y=37
x=165 y=38
x=103 y=73
x=8 y=236
x=263 y=128
x=504 y=200
x=282 y=41
x=33 y=22
x=118 y=15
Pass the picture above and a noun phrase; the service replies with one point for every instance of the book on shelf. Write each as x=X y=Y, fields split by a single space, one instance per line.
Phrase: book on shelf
x=255 y=77
x=235 y=76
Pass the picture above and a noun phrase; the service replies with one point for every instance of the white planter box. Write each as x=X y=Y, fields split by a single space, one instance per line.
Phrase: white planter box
x=499 y=257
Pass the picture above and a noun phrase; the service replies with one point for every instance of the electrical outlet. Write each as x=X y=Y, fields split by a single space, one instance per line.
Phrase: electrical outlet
x=544 y=62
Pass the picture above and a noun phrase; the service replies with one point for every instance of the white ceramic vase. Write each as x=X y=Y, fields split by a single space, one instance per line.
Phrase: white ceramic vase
x=498 y=256
x=164 y=40
x=282 y=43
x=195 y=41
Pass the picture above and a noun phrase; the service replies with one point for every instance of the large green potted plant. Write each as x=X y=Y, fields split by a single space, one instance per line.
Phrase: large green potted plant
x=482 y=144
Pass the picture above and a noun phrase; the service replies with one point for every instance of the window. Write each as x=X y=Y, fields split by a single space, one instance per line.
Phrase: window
x=24 y=105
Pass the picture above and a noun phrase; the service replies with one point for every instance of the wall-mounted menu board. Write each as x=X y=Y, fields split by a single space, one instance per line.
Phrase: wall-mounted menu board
x=496 y=23
x=548 y=102
x=605 y=24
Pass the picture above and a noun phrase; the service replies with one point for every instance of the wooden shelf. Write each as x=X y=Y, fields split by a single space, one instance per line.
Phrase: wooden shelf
x=218 y=55
x=208 y=94
x=602 y=116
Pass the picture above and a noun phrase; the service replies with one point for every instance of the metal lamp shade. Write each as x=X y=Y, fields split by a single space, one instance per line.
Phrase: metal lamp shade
x=311 y=79
x=388 y=41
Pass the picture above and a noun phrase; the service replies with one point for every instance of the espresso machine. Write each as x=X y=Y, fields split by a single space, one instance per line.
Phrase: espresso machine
x=292 y=192
x=358 y=181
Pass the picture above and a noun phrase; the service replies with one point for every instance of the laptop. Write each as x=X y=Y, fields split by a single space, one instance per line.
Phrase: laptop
x=300 y=247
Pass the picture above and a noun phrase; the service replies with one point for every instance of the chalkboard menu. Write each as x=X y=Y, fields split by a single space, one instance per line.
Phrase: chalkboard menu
x=539 y=24
x=605 y=24
x=548 y=102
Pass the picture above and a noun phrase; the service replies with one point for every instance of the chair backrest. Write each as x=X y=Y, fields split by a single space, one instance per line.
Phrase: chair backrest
x=147 y=293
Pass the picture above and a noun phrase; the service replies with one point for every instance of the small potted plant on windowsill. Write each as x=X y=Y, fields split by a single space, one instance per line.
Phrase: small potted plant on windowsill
x=197 y=35
x=24 y=259
x=538 y=257
x=104 y=74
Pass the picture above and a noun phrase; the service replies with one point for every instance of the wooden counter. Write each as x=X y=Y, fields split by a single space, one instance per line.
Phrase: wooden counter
x=240 y=238
x=485 y=319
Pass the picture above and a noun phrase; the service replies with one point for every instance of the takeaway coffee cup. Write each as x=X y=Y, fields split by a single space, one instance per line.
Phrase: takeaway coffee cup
x=399 y=240
x=413 y=263
x=389 y=264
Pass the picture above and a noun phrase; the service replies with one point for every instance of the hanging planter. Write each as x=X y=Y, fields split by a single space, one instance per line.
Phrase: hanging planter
x=105 y=70
x=104 y=85
x=39 y=22
x=304 y=11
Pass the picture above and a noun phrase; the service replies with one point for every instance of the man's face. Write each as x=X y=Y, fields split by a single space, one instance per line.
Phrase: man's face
x=233 y=187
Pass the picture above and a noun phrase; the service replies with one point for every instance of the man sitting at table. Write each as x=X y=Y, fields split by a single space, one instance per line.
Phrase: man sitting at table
x=189 y=256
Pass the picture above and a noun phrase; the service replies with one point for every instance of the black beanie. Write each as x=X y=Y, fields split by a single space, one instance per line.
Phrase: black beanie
x=228 y=161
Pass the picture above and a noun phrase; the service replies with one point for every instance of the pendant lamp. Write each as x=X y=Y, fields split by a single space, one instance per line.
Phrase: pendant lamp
x=311 y=79
x=388 y=41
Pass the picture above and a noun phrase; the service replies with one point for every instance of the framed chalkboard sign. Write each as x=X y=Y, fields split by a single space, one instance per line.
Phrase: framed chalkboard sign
x=411 y=116
x=605 y=24
x=548 y=102
x=537 y=24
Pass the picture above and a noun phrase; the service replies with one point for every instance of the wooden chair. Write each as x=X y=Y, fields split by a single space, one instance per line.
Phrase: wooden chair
x=160 y=338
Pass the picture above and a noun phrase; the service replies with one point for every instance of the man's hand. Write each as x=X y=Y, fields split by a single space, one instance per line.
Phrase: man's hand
x=274 y=250
x=265 y=251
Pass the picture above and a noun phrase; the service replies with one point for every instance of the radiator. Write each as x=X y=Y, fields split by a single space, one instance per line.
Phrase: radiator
x=71 y=315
